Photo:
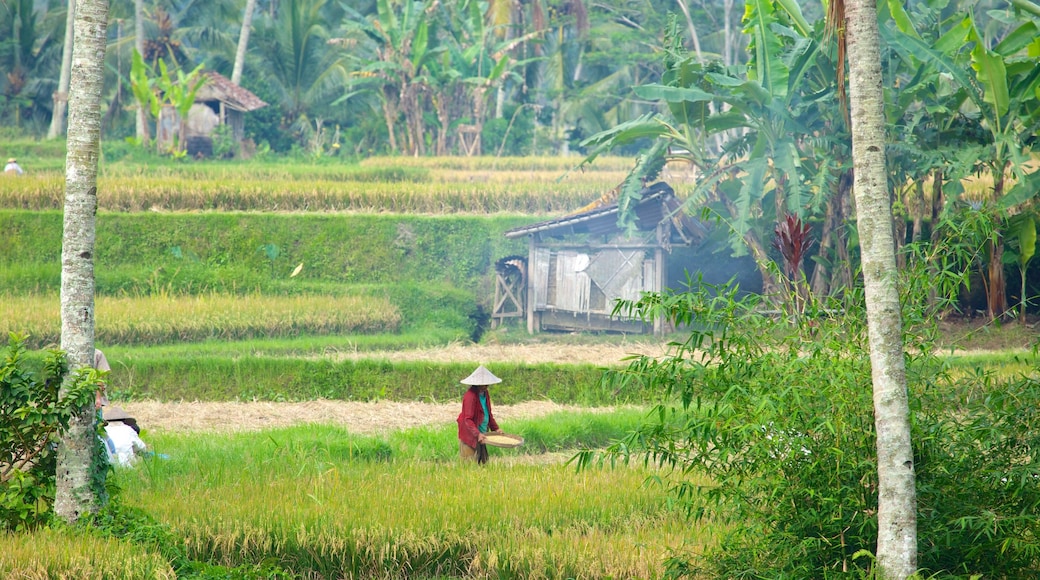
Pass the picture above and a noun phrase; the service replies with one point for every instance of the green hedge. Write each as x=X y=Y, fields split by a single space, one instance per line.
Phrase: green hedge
x=285 y=379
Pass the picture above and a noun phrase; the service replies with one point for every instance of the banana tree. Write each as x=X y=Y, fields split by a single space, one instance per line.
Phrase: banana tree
x=1001 y=84
x=399 y=39
x=142 y=84
x=157 y=92
x=777 y=103
x=476 y=62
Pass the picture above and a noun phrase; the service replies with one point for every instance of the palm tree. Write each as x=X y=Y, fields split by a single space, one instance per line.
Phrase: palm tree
x=897 y=499
x=78 y=491
x=61 y=96
x=302 y=69
x=29 y=60
x=243 y=41
x=141 y=117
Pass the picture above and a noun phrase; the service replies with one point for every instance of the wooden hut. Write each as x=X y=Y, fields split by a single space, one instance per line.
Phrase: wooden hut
x=579 y=265
x=217 y=102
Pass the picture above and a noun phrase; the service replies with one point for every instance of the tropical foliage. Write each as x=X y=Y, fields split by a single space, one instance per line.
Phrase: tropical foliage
x=770 y=139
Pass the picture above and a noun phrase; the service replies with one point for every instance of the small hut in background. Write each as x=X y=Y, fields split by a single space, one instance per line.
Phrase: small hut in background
x=218 y=102
x=579 y=265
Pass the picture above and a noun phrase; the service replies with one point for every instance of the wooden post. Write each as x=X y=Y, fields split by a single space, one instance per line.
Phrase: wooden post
x=659 y=272
x=530 y=284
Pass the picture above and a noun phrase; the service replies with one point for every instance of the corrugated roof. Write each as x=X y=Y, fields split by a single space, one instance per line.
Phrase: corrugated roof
x=657 y=204
x=219 y=88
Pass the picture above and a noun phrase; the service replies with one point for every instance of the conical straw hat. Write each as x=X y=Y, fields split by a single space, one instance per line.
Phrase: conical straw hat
x=113 y=413
x=481 y=376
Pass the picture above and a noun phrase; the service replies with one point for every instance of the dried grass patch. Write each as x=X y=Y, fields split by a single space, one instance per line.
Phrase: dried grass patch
x=607 y=355
x=356 y=417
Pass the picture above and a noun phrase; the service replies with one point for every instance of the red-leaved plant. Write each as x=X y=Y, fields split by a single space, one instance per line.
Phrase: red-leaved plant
x=793 y=240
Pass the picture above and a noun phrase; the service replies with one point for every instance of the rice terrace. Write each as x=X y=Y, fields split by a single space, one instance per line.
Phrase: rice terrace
x=541 y=289
x=303 y=426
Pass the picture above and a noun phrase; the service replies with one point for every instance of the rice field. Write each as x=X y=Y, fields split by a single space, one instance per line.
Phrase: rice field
x=427 y=186
x=165 y=318
x=47 y=554
x=324 y=505
x=318 y=501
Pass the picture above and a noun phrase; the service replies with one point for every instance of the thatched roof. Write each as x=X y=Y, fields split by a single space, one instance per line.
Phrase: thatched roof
x=657 y=204
x=218 y=88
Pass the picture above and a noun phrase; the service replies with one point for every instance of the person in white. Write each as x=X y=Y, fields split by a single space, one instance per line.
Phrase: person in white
x=12 y=167
x=121 y=437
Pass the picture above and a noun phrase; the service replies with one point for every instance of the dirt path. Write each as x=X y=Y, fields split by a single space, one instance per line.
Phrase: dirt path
x=362 y=418
x=596 y=354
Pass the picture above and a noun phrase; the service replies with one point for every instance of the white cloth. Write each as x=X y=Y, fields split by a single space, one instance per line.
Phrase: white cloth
x=122 y=443
x=13 y=167
x=100 y=362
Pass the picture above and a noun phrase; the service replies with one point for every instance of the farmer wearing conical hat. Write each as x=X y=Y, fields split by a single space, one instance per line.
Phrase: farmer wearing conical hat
x=121 y=437
x=476 y=417
x=12 y=167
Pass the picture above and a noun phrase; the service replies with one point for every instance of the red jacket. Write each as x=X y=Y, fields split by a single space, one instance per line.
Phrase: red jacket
x=472 y=416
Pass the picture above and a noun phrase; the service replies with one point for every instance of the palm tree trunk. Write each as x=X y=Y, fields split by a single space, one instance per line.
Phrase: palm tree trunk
x=729 y=42
x=77 y=493
x=693 y=29
x=243 y=42
x=141 y=121
x=61 y=97
x=897 y=499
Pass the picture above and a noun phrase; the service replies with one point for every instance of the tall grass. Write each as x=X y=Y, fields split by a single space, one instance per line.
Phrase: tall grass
x=320 y=502
x=47 y=554
x=165 y=318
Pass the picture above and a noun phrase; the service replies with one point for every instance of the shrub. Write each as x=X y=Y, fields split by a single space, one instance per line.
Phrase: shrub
x=33 y=417
x=779 y=415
